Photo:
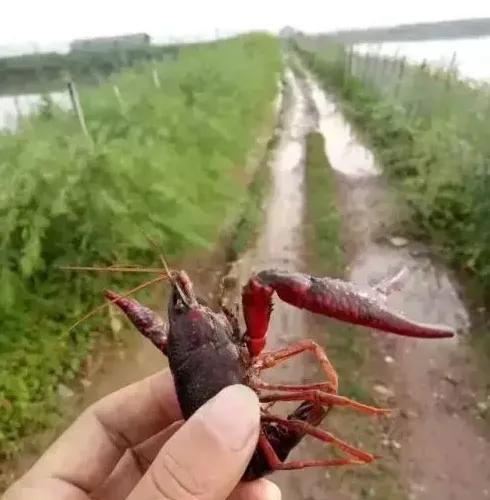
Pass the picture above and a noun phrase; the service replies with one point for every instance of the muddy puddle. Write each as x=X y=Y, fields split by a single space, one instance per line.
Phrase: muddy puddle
x=280 y=241
x=443 y=456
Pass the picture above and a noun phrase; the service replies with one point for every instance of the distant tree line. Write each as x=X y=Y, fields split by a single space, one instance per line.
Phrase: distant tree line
x=47 y=71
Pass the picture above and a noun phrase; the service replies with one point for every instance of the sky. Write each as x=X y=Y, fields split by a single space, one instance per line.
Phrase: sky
x=51 y=24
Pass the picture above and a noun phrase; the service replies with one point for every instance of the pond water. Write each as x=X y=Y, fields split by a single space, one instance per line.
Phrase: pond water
x=13 y=106
x=471 y=55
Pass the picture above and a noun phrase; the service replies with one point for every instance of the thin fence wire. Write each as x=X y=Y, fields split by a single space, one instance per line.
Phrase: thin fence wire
x=431 y=94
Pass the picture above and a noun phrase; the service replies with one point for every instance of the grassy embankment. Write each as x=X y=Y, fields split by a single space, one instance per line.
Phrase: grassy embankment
x=429 y=130
x=167 y=162
x=347 y=347
x=249 y=220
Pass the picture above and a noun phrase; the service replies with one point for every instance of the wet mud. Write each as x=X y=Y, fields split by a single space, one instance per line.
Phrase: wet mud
x=443 y=453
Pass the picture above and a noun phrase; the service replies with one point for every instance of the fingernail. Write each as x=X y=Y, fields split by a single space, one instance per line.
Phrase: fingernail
x=233 y=417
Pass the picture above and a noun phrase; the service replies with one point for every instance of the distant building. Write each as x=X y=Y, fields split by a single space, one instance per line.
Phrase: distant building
x=111 y=42
x=287 y=32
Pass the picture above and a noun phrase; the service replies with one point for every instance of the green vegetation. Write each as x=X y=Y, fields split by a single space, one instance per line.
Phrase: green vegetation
x=322 y=211
x=347 y=346
x=32 y=73
x=165 y=162
x=429 y=129
x=252 y=212
x=253 y=208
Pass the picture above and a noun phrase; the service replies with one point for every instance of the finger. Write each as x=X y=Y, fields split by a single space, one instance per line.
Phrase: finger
x=48 y=488
x=121 y=482
x=206 y=458
x=133 y=465
x=147 y=451
x=87 y=453
x=262 y=489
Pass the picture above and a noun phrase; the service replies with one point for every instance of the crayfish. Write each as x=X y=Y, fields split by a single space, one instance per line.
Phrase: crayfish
x=207 y=351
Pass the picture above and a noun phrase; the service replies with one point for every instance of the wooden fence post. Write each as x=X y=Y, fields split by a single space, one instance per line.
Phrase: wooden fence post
x=77 y=107
x=156 y=77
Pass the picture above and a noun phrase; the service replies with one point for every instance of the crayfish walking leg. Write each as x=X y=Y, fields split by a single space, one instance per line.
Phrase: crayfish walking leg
x=305 y=426
x=270 y=359
x=322 y=398
x=360 y=457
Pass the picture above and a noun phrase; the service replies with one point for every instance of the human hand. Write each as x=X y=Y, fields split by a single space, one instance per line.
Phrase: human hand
x=133 y=445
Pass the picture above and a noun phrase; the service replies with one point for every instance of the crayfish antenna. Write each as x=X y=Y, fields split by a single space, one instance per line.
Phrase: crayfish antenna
x=126 y=294
x=167 y=274
x=159 y=252
x=392 y=283
x=172 y=280
x=113 y=269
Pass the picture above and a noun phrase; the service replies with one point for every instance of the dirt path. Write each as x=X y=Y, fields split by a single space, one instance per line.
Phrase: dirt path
x=280 y=244
x=443 y=454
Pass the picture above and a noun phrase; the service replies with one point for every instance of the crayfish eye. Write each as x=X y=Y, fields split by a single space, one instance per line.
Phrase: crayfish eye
x=179 y=306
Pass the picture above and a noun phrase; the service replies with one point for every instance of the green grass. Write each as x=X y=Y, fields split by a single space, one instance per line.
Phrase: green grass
x=321 y=207
x=345 y=343
x=347 y=347
x=165 y=162
x=429 y=130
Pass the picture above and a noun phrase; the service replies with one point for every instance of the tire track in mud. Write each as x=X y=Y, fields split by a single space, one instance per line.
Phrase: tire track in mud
x=280 y=244
x=443 y=455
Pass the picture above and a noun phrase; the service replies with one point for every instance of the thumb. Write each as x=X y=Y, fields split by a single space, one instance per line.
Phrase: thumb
x=207 y=456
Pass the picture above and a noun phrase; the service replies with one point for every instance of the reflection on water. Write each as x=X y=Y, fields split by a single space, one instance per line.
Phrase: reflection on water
x=13 y=106
x=469 y=53
x=345 y=153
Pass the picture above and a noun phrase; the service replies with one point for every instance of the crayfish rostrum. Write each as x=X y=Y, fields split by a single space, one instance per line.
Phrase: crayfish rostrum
x=207 y=351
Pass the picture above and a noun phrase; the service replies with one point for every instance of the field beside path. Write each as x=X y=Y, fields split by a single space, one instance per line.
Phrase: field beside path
x=169 y=152
x=436 y=445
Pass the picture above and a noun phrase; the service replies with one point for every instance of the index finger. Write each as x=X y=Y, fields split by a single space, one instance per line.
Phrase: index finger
x=87 y=453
